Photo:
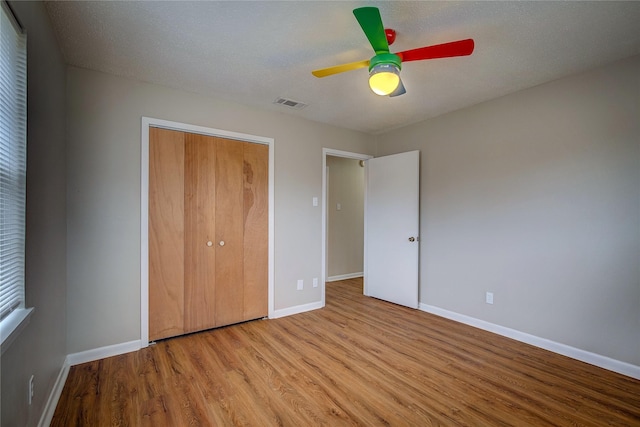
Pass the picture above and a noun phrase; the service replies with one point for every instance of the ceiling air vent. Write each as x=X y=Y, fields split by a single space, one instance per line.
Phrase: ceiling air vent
x=290 y=103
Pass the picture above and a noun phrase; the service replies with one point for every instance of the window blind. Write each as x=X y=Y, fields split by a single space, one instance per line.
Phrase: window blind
x=13 y=118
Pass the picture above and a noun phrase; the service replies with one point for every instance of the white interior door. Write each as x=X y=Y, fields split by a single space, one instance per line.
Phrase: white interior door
x=392 y=226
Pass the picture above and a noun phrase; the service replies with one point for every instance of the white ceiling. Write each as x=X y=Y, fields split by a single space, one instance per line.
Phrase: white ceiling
x=254 y=52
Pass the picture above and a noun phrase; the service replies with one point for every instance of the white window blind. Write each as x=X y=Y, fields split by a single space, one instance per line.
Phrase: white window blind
x=13 y=118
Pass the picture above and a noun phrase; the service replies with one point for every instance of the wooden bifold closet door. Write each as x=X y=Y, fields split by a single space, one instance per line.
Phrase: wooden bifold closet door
x=208 y=232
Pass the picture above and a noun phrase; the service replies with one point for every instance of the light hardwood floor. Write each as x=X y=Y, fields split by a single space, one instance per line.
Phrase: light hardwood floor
x=358 y=361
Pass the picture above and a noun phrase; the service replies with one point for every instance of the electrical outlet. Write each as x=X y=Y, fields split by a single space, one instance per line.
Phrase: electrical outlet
x=300 y=284
x=315 y=282
x=30 y=397
x=489 y=298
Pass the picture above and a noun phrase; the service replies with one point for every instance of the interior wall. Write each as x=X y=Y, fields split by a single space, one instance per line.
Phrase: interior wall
x=535 y=197
x=104 y=113
x=345 y=226
x=40 y=349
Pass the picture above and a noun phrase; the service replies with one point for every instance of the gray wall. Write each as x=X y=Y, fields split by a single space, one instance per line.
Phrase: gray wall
x=345 y=227
x=41 y=347
x=104 y=196
x=535 y=196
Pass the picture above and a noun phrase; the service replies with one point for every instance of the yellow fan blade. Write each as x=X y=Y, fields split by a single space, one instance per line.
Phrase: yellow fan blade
x=340 y=68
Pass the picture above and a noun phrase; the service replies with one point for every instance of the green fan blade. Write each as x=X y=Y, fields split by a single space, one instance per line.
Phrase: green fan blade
x=371 y=23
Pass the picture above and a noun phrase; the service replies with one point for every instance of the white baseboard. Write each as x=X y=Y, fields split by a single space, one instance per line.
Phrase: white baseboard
x=605 y=362
x=608 y=363
x=344 y=276
x=76 y=359
x=102 y=352
x=54 y=396
x=296 y=310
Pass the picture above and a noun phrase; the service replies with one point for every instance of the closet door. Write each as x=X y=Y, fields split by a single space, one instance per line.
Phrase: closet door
x=200 y=237
x=166 y=233
x=229 y=232
x=242 y=231
x=208 y=232
x=256 y=230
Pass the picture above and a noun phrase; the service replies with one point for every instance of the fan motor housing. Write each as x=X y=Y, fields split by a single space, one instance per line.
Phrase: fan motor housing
x=385 y=58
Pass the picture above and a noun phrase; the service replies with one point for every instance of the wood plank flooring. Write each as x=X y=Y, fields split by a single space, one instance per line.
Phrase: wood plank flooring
x=358 y=361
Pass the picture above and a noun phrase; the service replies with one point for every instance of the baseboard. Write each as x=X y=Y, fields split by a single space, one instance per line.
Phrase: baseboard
x=54 y=396
x=296 y=310
x=605 y=362
x=102 y=352
x=75 y=359
x=344 y=276
x=608 y=363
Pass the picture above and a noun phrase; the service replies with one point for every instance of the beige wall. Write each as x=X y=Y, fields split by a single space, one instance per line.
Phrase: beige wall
x=535 y=197
x=345 y=227
x=40 y=349
x=104 y=196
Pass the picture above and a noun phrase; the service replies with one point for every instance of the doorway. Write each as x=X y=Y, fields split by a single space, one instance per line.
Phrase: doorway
x=337 y=208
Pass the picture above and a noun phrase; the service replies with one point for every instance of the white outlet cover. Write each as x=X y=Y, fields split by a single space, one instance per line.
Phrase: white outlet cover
x=489 y=298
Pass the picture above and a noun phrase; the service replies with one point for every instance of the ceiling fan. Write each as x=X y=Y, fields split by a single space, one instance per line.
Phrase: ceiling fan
x=384 y=67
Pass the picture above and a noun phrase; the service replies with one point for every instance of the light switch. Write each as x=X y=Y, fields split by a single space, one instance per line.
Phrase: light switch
x=315 y=201
x=338 y=207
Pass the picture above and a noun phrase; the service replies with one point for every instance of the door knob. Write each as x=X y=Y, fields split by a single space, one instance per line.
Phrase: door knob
x=412 y=239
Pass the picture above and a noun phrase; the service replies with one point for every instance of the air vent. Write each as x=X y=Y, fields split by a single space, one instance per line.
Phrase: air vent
x=290 y=103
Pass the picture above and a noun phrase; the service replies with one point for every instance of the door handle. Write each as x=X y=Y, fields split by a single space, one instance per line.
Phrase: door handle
x=412 y=239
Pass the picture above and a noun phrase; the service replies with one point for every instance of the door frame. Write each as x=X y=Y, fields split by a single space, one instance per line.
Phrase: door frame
x=348 y=155
x=148 y=122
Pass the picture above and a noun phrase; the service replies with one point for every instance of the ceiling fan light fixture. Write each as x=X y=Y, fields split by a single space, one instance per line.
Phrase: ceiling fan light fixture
x=384 y=73
x=384 y=67
x=384 y=78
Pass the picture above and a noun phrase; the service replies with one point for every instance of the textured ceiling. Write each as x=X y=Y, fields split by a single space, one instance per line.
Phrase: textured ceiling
x=254 y=52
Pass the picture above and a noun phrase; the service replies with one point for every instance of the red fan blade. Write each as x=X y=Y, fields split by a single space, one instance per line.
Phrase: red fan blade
x=445 y=50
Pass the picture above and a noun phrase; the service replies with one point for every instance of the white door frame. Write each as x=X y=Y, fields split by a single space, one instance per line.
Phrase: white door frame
x=346 y=154
x=148 y=122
